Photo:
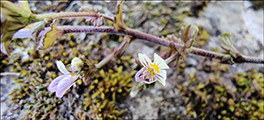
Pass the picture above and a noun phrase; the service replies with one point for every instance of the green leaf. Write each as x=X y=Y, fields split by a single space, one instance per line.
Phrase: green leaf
x=13 y=18
x=24 y=5
x=220 y=89
x=226 y=42
x=231 y=108
x=119 y=22
x=73 y=56
x=200 y=86
x=15 y=9
x=189 y=32
x=50 y=36
x=95 y=94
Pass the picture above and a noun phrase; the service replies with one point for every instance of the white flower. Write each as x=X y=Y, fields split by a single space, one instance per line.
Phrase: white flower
x=62 y=83
x=152 y=71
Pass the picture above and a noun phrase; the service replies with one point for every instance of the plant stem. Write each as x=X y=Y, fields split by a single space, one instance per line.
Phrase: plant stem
x=69 y=14
x=225 y=58
x=105 y=60
x=171 y=58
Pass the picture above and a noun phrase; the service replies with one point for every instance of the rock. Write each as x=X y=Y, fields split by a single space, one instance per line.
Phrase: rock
x=190 y=70
x=236 y=18
x=191 y=61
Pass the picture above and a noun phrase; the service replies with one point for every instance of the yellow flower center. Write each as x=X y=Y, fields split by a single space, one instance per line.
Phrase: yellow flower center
x=151 y=70
x=72 y=75
x=156 y=67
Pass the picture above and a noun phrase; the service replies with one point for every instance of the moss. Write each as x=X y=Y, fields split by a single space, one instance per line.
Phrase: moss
x=33 y=98
x=247 y=103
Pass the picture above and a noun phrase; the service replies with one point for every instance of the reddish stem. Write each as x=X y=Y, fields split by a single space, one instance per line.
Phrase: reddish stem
x=225 y=58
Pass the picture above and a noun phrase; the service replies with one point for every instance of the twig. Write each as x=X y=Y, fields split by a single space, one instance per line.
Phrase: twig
x=225 y=58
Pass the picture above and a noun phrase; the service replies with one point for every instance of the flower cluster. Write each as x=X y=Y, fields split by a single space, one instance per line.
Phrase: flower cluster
x=62 y=83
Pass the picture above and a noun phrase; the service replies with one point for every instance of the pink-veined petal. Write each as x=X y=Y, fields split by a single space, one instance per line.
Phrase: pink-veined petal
x=65 y=84
x=139 y=75
x=160 y=62
x=62 y=67
x=53 y=85
x=161 y=77
x=151 y=80
x=144 y=60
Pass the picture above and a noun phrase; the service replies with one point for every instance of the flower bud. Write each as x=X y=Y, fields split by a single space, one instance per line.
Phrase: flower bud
x=76 y=64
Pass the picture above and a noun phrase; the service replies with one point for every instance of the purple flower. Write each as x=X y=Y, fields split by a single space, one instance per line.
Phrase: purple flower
x=62 y=83
x=152 y=71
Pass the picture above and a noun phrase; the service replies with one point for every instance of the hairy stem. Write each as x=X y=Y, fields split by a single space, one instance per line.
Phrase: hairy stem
x=171 y=58
x=225 y=58
x=69 y=14
x=105 y=60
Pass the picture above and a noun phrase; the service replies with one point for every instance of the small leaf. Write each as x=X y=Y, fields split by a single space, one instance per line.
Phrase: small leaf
x=97 y=20
x=13 y=18
x=114 y=96
x=231 y=108
x=24 y=5
x=49 y=36
x=220 y=89
x=119 y=22
x=200 y=86
x=15 y=9
x=226 y=42
x=95 y=94
x=104 y=103
x=103 y=96
x=189 y=32
x=73 y=56
x=102 y=73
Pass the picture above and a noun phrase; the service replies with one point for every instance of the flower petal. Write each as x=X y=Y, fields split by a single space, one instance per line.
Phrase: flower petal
x=139 y=75
x=65 y=84
x=161 y=77
x=53 y=85
x=160 y=62
x=144 y=60
x=151 y=80
x=62 y=67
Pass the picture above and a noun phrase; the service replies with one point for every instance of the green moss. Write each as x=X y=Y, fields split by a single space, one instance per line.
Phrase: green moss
x=225 y=103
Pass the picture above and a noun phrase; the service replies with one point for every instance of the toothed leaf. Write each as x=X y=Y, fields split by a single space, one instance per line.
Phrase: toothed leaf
x=50 y=36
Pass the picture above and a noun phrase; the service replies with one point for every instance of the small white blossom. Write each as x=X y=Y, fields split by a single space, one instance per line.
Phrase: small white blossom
x=152 y=71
